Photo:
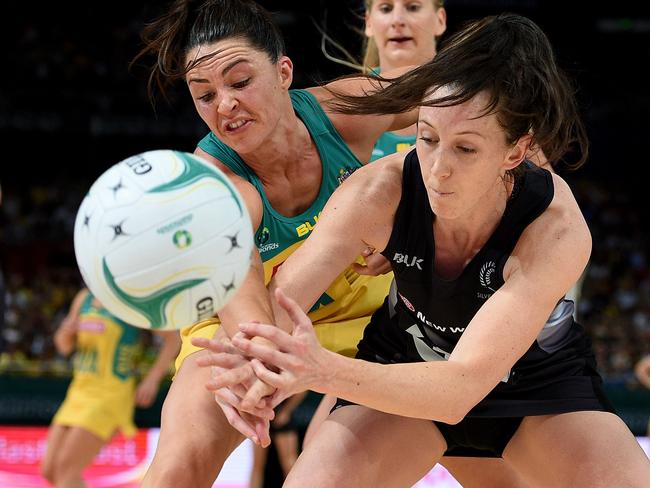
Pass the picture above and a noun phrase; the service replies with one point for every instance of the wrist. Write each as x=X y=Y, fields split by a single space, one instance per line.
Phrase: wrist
x=327 y=375
x=154 y=376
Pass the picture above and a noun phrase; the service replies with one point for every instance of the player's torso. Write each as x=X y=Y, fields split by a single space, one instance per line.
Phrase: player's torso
x=106 y=348
x=436 y=311
x=350 y=295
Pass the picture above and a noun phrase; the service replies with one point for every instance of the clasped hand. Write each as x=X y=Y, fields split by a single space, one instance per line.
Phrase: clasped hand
x=251 y=376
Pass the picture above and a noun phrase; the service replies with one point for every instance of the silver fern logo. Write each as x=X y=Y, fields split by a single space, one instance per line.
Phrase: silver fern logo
x=485 y=275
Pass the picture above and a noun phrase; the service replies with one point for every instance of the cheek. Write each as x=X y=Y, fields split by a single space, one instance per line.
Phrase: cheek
x=425 y=30
x=379 y=28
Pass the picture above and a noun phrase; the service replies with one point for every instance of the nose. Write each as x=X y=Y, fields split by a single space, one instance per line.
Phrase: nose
x=227 y=104
x=398 y=18
x=440 y=167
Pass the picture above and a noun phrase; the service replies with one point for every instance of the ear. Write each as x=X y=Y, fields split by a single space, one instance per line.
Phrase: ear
x=286 y=71
x=441 y=13
x=517 y=152
x=368 y=21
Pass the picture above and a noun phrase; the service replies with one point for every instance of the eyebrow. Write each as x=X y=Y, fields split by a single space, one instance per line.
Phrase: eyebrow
x=465 y=132
x=223 y=73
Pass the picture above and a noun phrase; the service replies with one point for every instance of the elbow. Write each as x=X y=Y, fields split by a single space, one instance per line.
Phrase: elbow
x=465 y=399
x=64 y=348
x=455 y=411
x=455 y=415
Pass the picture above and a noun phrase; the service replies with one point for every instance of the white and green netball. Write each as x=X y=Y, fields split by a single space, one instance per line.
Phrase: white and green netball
x=163 y=239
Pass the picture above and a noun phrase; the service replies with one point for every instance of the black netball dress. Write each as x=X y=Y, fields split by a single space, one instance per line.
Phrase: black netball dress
x=424 y=316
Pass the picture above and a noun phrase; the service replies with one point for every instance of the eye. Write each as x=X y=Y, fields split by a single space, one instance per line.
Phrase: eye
x=241 y=84
x=413 y=7
x=466 y=150
x=428 y=140
x=384 y=8
x=207 y=97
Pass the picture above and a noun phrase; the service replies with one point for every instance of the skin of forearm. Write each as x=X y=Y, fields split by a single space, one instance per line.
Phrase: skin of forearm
x=251 y=302
x=435 y=390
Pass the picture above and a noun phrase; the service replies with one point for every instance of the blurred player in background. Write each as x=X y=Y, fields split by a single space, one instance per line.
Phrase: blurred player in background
x=102 y=396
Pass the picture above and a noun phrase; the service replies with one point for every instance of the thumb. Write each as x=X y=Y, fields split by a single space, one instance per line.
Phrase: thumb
x=368 y=251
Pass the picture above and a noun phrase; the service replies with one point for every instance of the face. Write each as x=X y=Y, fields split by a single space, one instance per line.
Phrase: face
x=405 y=30
x=464 y=157
x=238 y=92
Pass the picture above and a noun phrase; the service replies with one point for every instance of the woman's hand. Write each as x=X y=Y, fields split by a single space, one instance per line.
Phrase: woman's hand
x=237 y=371
x=300 y=359
x=376 y=264
x=146 y=392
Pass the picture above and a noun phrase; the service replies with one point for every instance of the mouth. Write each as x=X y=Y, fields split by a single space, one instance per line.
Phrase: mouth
x=236 y=126
x=442 y=193
x=399 y=40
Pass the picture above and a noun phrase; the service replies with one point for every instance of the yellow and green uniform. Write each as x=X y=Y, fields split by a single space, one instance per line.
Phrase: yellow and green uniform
x=101 y=396
x=343 y=311
x=389 y=143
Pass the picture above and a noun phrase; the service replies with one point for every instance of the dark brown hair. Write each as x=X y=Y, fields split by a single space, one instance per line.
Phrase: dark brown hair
x=190 y=23
x=510 y=58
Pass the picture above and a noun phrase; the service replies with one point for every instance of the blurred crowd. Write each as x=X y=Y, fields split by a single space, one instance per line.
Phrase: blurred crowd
x=41 y=279
x=615 y=299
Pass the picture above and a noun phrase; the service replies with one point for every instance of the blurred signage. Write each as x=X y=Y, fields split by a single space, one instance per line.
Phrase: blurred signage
x=123 y=462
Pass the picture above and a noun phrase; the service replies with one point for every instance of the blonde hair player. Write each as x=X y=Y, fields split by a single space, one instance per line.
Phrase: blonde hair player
x=399 y=34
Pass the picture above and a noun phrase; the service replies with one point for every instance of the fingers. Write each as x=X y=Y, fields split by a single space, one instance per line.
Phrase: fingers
x=376 y=264
x=278 y=397
x=214 y=346
x=226 y=396
x=230 y=378
x=223 y=360
x=144 y=401
x=262 y=431
x=253 y=398
x=236 y=420
x=266 y=375
x=368 y=251
x=254 y=428
x=269 y=332
x=263 y=353
x=295 y=312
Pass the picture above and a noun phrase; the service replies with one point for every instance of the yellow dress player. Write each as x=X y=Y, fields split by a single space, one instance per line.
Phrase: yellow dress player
x=102 y=395
x=343 y=311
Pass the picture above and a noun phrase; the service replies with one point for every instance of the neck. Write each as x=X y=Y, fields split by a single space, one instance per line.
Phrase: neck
x=289 y=142
x=468 y=233
x=418 y=59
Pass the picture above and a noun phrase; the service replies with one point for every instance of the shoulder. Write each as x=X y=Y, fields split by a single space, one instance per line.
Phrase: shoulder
x=380 y=181
x=557 y=244
x=565 y=217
